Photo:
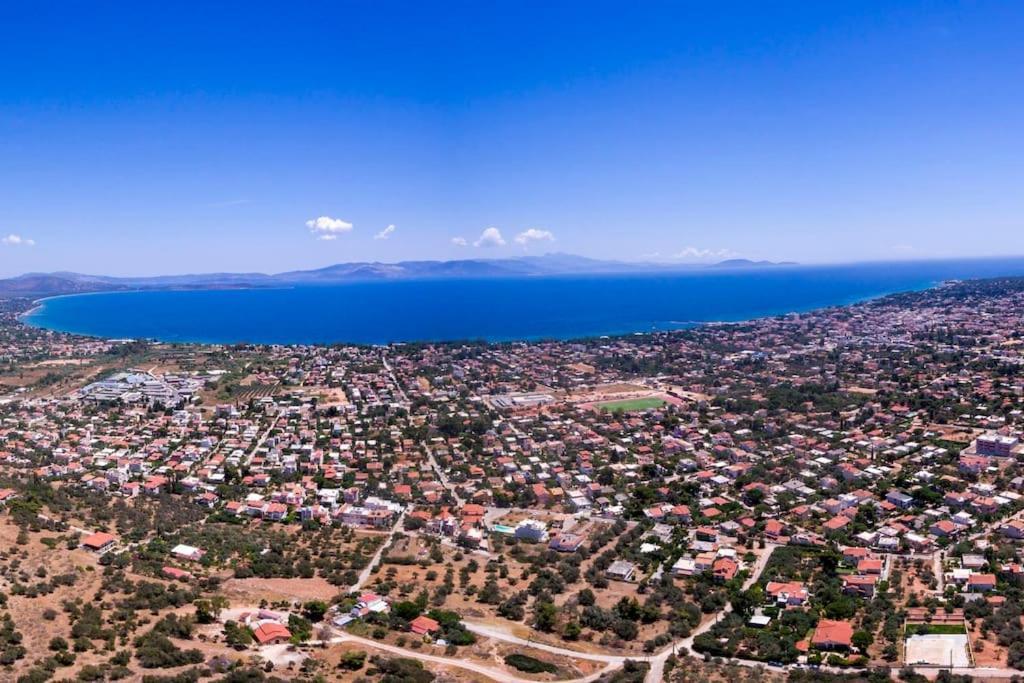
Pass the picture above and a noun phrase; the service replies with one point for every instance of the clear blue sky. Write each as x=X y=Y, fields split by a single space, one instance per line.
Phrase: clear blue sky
x=166 y=139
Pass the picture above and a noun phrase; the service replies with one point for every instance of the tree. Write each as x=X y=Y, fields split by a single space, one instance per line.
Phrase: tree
x=314 y=610
x=545 y=616
x=862 y=640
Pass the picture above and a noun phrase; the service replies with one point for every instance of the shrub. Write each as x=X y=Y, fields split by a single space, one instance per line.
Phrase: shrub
x=530 y=665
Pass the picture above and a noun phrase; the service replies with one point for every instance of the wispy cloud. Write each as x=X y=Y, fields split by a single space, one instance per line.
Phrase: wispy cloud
x=534 y=235
x=385 y=233
x=696 y=253
x=460 y=241
x=327 y=228
x=13 y=240
x=490 y=237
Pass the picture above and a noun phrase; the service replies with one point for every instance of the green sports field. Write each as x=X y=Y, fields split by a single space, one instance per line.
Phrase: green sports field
x=631 y=405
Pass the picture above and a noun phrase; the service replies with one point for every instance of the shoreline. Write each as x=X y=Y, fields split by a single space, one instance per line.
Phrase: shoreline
x=673 y=326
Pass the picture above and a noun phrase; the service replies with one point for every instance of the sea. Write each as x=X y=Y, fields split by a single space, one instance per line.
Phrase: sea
x=495 y=309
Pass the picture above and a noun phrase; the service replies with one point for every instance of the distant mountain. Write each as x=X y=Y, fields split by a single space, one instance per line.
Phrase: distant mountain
x=49 y=284
x=34 y=284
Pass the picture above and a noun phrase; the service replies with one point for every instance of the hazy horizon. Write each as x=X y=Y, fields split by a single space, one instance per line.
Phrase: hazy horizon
x=161 y=140
x=655 y=265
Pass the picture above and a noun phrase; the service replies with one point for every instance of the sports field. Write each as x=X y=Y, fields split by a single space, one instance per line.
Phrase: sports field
x=632 y=404
x=938 y=650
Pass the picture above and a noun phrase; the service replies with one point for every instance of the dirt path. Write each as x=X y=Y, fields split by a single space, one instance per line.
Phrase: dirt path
x=492 y=673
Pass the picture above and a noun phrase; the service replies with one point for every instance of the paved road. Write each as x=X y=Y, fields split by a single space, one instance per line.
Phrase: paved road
x=443 y=478
x=391 y=374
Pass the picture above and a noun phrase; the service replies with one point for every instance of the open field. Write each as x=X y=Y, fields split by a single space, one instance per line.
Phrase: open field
x=632 y=404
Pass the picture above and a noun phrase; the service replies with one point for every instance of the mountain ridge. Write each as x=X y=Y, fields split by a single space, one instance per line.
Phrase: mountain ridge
x=67 y=282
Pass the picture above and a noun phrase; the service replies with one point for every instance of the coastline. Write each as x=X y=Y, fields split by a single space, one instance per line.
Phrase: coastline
x=647 y=328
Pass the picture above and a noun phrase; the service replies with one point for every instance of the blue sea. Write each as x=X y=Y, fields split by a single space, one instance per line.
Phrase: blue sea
x=493 y=309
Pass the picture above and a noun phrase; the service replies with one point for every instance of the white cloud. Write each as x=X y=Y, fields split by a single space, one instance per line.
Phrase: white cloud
x=385 y=233
x=18 y=241
x=460 y=241
x=491 y=237
x=699 y=254
x=534 y=235
x=327 y=228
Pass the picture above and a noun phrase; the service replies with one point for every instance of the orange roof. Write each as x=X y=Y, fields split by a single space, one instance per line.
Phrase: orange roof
x=268 y=631
x=423 y=625
x=833 y=633
x=98 y=540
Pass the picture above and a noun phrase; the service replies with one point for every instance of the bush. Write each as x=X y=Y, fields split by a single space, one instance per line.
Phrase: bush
x=530 y=665
x=353 y=661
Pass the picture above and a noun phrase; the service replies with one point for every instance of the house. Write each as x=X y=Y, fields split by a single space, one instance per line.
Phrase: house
x=860 y=585
x=943 y=528
x=981 y=583
x=900 y=499
x=424 y=626
x=369 y=602
x=621 y=570
x=566 y=543
x=187 y=552
x=99 y=542
x=724 y=569
x=837 y=523
x=833 y=635
x=870 y=565
x=788 y=593
x=1013 y=529
x=774 y=529
x=271 y=633
x=532 y=530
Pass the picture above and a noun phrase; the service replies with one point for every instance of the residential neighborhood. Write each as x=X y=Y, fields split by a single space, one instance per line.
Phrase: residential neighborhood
x=840 y=491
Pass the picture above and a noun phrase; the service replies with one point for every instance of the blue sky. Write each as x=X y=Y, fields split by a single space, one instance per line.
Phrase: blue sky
x=169 y=139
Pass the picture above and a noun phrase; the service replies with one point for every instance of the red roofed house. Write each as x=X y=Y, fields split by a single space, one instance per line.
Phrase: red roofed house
x=424 y=626
x=99 y=542
x=791 y=593
x=725 y=569
x=860 y=585
x=870 y=565
x=837 y=523
x=271 y=633
x=833 y=635
x=981 y=582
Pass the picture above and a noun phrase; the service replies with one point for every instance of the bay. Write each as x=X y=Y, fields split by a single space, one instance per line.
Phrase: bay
x=563 y=307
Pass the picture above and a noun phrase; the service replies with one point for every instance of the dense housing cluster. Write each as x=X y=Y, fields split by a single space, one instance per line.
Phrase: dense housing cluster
x=840 y=489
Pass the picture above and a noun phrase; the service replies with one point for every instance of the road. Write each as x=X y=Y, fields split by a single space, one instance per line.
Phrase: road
x=364 y=575
x=937 y=570
x=391 y=374
x=657 y=670
x=498 y=633
x=495 y=674
x=612 y=662
x=441 y=476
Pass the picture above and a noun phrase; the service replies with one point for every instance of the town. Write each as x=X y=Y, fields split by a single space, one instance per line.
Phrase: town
x=832 y=495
